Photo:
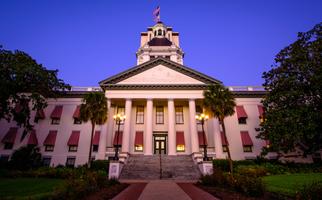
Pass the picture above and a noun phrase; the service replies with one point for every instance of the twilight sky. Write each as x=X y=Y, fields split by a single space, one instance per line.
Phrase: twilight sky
x=88 y=41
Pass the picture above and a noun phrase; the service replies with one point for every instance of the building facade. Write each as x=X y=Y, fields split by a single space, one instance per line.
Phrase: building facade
x=160 y=98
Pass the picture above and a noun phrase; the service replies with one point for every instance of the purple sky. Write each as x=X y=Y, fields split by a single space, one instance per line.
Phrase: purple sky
x=88 y=41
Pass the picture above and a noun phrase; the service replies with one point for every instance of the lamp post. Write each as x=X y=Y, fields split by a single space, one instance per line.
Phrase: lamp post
x=202 y=118
x=118 y=118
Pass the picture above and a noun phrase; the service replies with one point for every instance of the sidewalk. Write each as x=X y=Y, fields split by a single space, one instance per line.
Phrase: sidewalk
x=163 y=190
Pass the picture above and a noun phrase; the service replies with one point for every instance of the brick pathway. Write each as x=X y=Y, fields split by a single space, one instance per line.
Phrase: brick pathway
x=132 y=192
x=163 y=190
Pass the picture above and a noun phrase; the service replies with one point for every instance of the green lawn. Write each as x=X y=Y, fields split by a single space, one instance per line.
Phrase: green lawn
x=25 y=188
x=290 y=183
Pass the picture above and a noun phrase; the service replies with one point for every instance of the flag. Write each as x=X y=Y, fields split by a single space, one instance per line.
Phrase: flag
x=156 y=14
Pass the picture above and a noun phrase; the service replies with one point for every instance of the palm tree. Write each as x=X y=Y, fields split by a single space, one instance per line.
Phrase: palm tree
x=93 y=109
x=221 y=103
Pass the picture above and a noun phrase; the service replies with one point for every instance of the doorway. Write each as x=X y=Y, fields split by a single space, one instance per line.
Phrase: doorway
x=160 y=143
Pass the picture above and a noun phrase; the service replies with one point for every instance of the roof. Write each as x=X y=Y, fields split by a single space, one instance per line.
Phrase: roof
x=159 y=42
x=111 y=82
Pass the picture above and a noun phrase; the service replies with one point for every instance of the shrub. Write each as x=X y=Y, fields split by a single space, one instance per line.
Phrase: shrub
x=100 y=165
x=252 y=170
x=221 y=164
x=218 y=178
x=249 y=185
x=311 y=191
x=78 y=187
x=25 y=158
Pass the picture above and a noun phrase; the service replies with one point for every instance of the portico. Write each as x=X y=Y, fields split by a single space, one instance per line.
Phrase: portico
x=159 y=120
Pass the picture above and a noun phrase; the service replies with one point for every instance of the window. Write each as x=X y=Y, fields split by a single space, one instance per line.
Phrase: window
x=138 y=148
x=70 y=162
x=49 y=148
x=46 y=161
x=72 y=148
x=55 y=121
x=160 y=32
x=4 y=158
x=242 y=120
x=224 y=148
x=247 y=148
x=139 y=114
x=77 y=121
x=179 y=114
x=95 y=148
x=8 y=145
x=180 y=148
x=159 y=115
x=121 y=111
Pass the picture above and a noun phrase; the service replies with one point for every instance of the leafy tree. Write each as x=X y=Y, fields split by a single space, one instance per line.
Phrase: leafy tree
x=293 y=104
x=93 y=109
x=221 y=102
x=24 y=86
x=25 y=158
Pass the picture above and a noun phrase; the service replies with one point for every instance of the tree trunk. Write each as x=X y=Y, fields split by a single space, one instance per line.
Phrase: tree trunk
x=228 y=150
x=90 y=147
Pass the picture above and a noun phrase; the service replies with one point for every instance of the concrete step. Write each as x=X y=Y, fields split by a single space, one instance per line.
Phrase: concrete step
x=148 y=168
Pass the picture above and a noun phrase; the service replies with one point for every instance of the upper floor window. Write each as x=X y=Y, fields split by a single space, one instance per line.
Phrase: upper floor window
x=139 y=114
x=198 y=112
x=159 y=115
x=179 y=114
x=160 y=32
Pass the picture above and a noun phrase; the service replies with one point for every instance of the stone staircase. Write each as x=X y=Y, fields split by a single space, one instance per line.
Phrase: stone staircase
x=140 y=167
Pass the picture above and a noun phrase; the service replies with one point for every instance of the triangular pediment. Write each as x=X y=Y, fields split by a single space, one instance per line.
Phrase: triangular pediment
x=160 y=74
x=159 y=71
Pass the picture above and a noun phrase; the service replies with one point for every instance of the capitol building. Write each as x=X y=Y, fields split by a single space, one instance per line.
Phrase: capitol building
x=160 y=98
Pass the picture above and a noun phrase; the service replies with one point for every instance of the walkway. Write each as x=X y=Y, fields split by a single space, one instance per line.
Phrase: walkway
x=163 y=190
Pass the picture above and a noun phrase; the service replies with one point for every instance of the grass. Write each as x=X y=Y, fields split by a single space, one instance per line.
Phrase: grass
x=27 y=188
x=288 y=184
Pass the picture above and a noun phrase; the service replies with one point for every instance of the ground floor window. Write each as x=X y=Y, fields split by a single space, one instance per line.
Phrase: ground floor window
x=180 y=148
x=72 y=148
x=138 y=148
x=8 y=145
x=46 y=161
x=224 y=148
x=95 y=148
x=70 y=162
x=49 y=148
x=4 y=158
x=55 y=121
x=247 y=148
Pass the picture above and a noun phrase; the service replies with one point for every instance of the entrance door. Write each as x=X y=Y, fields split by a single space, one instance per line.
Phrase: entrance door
x=160 y=145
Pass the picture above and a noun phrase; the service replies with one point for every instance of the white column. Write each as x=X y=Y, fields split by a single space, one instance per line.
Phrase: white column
x=148 y=130
x=193 y=126
x=127 y=128
x=110 y=123
x=171 y=128
x=103 y=136
x=218 y=144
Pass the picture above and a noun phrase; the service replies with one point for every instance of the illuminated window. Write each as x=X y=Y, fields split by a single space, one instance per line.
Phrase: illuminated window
x=159 y=115
x=224 y=148
x=180 y=148
x=55 y=121
x=138 y=147
x=247 y=148
x=139 y=114
x=179 y=114
x=72 y=148
x=49 y=148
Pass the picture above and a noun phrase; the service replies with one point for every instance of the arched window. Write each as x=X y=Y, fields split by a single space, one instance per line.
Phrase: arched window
x=155 y=33
x=159 y=32
x=163 y=32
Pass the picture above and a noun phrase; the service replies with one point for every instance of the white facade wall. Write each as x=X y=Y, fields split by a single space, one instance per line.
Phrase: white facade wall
x=66 y=126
